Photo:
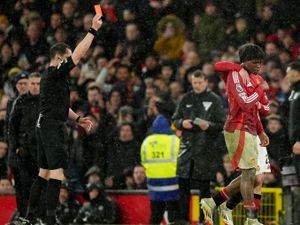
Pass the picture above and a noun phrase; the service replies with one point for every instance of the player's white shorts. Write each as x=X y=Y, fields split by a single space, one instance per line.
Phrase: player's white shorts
x=263 y=160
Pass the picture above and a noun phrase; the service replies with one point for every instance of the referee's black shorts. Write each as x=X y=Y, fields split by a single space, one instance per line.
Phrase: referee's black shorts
x=52 y=140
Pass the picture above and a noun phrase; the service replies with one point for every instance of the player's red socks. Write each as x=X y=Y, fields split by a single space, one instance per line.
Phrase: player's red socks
x=251 y=211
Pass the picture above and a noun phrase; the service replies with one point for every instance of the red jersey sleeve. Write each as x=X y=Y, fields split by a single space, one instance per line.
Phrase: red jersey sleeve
x=264 y=108
x=259 y=126
x=224 y=67
x=238 y=90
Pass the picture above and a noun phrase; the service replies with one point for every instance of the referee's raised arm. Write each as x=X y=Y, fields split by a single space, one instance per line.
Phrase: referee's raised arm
x=85 y=44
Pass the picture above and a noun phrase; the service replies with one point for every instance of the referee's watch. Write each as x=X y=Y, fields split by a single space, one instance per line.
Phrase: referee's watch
x=92 y=31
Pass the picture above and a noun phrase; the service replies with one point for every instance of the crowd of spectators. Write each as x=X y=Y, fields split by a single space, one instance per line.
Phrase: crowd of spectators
x=141 y=63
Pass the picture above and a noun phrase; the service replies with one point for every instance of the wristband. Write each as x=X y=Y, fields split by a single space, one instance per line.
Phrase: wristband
x=92 y=31
x=77 y=119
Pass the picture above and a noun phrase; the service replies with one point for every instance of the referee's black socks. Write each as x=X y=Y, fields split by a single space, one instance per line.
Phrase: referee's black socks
x=34 y=198
x=52 y=196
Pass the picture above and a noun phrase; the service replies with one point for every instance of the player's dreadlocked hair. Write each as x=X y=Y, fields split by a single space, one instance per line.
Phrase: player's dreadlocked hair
x=250 y=51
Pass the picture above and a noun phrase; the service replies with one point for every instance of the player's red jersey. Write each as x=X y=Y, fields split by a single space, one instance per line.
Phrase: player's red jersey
x=243 y=112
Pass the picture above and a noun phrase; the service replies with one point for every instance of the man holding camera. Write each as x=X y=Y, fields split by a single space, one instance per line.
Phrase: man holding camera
x=200 y=116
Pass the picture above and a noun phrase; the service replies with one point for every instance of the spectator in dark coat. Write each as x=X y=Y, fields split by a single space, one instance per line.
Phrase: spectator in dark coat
x=3 y=159
x=122 y=153
x=99 y=210
x=68 y=207
x=279 y=148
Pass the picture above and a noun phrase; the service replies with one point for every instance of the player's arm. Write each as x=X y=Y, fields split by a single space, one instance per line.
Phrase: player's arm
x=224 y=67
x=263 y=105
x=85 y=44
x=238 y=90
x=263 y=137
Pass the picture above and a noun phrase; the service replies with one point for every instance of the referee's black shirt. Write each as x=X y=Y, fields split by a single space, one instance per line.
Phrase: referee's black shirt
x=55 y=93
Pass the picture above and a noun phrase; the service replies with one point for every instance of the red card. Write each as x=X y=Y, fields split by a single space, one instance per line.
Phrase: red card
x=98 y=10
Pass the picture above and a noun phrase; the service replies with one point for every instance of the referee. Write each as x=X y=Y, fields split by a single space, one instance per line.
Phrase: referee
x=51 y=129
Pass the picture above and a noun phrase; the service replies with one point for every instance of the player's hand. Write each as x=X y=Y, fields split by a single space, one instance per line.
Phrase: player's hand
x=244 y=75
x=187 y=124
x=259 y=105
x=296 y=148
x=86 y=123
x=265 y=85
x=264 y=139
x=97 y=22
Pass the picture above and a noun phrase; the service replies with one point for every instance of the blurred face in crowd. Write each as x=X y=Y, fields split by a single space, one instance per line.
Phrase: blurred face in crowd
x=271 y=49
x=274 y=108
x=6 y=52
x=33 y=32
x=93 y=178
x=63 y=195
x=22 y=86
x=150 y=92
x=126 y=133
x=60 y=35
x=188 y=46
x=5 y=186
x=192 y=59
x=151 y=62
x=93 y=194
x=240 y=24
x=208 y=69
x=161 y=85
x=274 y=125
x=16 y=47
x=68 y=9
x=276 y=74
x=94 y=96
x=267 y=13
x=122 y=73
x=74 y=96
x=115 y=98
x=55 y=20
x=125 y=118
x=261 y=37
x=132 y=32
x=285 y=57
x=199 y=84
x=166 y=72
x=101 y=63
x=176 y=89
x=139 y=175
x=34 y=85
x=3 y=150
x=292 y=75
x=210 y=9
x=253 y=66
x=169 y=30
